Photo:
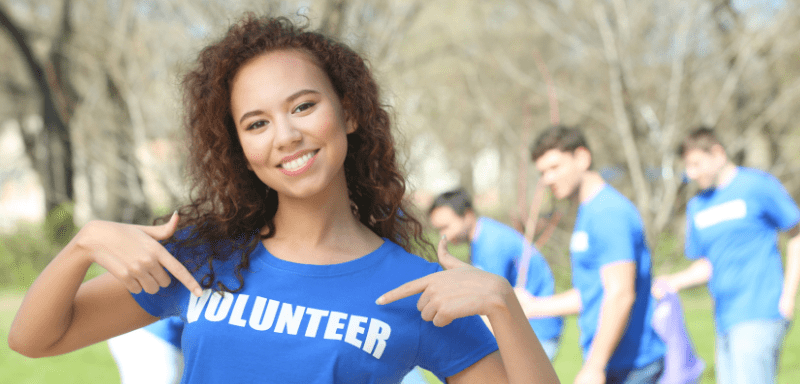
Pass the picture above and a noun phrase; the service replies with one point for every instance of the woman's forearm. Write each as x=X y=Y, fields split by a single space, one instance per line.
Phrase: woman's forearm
x=60 y=314
x=523 y=357
x=46 y=311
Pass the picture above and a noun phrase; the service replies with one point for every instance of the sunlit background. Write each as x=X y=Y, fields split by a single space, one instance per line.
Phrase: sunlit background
x=90 y=115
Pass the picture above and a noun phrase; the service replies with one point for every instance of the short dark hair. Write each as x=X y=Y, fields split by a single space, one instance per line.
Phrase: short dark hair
x=703 y=138
x=560 y=137
x=459 y=200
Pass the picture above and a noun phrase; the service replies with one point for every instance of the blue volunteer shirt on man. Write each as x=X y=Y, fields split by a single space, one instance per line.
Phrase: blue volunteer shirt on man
x=608 y=229
x=735 y=227
x=497 y=248
x=301 y=323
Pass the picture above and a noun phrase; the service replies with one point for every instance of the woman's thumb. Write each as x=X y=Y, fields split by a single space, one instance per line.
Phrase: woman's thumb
x=163 y=231
x=446 y=260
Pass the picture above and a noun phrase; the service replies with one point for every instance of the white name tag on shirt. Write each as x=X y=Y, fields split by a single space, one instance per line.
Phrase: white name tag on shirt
x=731 y=210
x=579 y=242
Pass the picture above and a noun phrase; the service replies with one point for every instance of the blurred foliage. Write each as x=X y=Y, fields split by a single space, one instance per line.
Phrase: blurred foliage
x=59 y=226
x=25 y=253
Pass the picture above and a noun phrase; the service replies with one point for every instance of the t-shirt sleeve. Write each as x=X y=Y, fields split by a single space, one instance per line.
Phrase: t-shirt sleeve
x=511 y=256
x=448 y=350
x=540 y=278
x=163 y=303
x=499 y=258
x=778 y=205
x=613 y=237
x=691 y=248
x=169 y=330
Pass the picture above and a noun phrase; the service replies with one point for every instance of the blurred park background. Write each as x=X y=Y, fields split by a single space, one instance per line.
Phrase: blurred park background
x=90 y=115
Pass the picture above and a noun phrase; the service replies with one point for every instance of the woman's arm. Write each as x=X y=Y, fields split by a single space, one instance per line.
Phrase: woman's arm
x=59 y=314
x=462 y=290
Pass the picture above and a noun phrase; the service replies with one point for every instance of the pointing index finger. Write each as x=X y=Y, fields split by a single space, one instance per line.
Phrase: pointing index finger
x=410 y=288
x=182 y=274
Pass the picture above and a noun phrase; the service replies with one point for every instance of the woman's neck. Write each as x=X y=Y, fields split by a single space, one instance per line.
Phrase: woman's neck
x=320 y=229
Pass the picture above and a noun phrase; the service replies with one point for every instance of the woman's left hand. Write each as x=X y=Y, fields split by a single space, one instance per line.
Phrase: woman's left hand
x=460 y=290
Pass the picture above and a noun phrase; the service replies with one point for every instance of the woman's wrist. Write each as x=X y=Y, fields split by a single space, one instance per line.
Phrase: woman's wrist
x=506 y=299
x=81 y=248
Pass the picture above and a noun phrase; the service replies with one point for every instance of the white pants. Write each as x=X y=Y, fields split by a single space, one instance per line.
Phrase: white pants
x=143 y=358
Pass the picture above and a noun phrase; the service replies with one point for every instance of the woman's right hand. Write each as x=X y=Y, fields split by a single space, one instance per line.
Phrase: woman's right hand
x=133 y=254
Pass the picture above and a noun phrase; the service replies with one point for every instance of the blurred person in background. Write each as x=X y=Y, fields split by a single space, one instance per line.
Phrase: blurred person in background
x=150 y=355
x=497 y=248
x=610 y=268
x=732 y=227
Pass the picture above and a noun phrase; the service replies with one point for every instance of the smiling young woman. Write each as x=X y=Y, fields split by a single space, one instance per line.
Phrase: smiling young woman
x=291 y=261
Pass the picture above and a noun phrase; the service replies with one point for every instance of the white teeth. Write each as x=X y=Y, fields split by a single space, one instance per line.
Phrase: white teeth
x=298 y=162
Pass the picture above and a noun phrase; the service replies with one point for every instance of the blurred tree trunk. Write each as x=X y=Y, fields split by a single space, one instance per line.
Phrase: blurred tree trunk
x=50 y=148
x=126 y=200
x=333 y=17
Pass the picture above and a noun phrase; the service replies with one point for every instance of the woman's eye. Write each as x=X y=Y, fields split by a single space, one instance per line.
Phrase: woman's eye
x=303 y=107
x=257 y=124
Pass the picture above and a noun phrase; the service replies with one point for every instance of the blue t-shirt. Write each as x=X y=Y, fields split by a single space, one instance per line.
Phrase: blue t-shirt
x=169 y=330
x=736 y=229
x=497 y=248
x=301 y=323
x=608 y=229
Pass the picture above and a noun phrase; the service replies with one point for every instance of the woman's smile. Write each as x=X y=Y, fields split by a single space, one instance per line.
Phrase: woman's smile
x=299 y=164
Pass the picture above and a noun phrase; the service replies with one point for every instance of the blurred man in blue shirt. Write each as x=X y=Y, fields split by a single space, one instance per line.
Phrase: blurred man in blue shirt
x=498 y=248
x=610 y=268
x=731 y=234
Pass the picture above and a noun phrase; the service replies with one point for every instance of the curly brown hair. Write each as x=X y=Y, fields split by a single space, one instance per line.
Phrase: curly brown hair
x=228 y=202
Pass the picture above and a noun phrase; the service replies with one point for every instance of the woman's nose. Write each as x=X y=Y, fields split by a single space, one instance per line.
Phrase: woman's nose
x=287 y=134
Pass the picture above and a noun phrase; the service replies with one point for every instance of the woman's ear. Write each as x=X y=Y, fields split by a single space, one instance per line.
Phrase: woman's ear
x=351 y=124
x=349 y=119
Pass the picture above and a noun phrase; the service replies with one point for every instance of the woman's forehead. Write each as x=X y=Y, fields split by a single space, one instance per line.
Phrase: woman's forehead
x=276 y=75
x=281 y=64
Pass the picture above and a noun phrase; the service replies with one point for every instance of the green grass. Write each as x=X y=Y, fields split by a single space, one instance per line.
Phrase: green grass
x=95 y=365
x=89 y=365
x=700 y=324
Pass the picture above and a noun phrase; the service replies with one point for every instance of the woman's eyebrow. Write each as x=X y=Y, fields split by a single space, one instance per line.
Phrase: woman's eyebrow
x=289 y=99
x=300 y=93
x=251 y=113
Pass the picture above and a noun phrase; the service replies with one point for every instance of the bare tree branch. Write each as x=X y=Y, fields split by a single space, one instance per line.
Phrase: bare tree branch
x=670 y=182
x=622 y=122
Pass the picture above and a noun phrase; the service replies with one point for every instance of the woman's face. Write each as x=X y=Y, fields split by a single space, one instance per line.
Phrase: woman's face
x=290 y=123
